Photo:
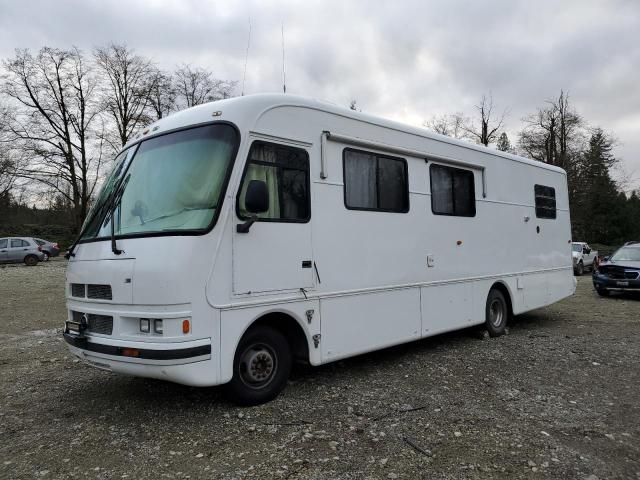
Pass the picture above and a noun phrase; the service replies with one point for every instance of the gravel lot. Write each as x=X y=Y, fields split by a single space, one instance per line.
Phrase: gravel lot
x=559 y=397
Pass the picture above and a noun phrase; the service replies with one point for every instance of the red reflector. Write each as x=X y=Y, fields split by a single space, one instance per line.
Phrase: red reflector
x=130 y=352
x=186 y=326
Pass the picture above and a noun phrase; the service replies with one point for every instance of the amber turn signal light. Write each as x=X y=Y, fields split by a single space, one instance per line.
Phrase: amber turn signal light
x=186 y=326
x=130 y=352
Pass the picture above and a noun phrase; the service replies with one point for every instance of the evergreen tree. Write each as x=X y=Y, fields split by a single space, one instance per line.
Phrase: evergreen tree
x=598 y=208
x=503 y=144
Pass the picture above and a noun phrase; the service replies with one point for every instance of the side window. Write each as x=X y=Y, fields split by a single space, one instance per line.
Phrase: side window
x=545 y=201
x=375 y=182
x=39 y=242
x=3 y=242
x=17 y=242
x=452 y=191
x=285 y=170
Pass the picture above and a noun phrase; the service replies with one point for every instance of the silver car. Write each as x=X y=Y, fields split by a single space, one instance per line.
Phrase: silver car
x=20 y=249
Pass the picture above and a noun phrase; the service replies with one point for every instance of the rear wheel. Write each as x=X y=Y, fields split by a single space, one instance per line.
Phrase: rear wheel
x=261 y=367
x=31 y=260
x=496 y=313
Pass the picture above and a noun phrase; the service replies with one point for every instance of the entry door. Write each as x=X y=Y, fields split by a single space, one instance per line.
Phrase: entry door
x=275 y=254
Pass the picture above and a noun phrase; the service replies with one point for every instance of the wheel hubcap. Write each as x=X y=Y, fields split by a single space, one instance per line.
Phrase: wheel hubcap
x=257 y=366
x=496 y=312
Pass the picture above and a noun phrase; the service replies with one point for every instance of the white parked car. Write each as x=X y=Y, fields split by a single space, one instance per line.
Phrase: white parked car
x=583 y=257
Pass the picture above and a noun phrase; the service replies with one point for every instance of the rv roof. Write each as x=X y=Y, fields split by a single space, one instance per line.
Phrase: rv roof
x=250 y=107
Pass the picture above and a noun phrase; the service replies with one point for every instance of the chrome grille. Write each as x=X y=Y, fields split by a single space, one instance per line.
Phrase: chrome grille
x=100 y=324
x=101 y=292
x=77 y=290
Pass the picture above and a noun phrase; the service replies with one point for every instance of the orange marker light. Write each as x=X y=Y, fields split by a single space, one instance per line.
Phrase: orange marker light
x=130 y=352
x=186 y=326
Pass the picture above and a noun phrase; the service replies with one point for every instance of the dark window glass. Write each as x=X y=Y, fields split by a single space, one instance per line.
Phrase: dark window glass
x=285 y=170
x=545 y=201
x=39 y=242
x=17 y=242
x=375 y=182
x=452 y=191
x=3 y=243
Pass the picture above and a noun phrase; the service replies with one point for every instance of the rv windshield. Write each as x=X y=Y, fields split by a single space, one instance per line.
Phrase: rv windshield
x=172 y=182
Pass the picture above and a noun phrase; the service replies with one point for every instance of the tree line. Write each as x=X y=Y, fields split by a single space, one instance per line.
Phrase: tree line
x=65 y=112
x=601 y=211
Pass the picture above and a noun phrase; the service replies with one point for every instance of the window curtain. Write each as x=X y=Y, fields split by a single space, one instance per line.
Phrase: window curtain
x=265 y=173
x=441 y=190
x=360 y=180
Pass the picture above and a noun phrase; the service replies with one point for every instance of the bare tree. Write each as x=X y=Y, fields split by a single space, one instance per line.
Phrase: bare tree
x=553 y=134
x=7 y=159
x=195 y=86
x=488 y=128
x=162 y=95
x=450 y=125
x=56 y=118
x=130 y=79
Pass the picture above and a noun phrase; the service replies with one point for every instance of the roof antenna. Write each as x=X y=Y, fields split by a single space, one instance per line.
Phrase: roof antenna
x=284 y=78
x=246 y=59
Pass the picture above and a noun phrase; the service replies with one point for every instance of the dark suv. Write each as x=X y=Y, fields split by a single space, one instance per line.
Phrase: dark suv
x=620 y=272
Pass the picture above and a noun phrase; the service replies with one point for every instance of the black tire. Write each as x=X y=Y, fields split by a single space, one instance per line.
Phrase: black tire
x=261 y=367
x=496 y=313
x=30 y=260
x=579 y=269
x=603 y=292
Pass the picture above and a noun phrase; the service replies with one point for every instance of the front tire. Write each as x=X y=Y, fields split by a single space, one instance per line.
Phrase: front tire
x=496 y=313
x=579 y=269
x=603 y=292
x=261 y=367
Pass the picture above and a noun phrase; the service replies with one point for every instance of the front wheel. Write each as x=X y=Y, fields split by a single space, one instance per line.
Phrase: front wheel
x=261 y=367
x=579 y=269
x=603 y=292
x=496 y=313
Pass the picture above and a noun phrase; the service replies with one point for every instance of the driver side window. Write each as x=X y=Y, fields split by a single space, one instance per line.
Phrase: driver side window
x=285 y=171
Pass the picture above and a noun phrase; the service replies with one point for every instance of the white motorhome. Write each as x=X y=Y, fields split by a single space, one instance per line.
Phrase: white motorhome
x=256 y=231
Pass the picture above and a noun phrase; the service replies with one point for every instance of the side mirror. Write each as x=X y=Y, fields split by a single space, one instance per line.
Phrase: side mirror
x=256 y=200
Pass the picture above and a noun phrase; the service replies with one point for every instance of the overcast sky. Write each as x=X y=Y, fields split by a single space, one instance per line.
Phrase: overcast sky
x=405 y=60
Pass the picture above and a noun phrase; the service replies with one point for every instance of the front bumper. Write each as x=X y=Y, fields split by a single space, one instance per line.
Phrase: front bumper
x=188 y=363
x=603 y=282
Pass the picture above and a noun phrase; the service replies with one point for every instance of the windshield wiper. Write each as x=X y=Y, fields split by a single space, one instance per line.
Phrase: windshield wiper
x=173 y=214
x=98 y=214
x=114 y=204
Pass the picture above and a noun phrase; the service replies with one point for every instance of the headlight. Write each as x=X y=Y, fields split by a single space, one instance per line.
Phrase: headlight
x=145 y=325
x=157 y=326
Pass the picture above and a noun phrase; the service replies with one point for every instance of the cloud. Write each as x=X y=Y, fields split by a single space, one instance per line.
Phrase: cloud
x=406 y=60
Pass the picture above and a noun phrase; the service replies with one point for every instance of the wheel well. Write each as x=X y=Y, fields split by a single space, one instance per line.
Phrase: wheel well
x=502 y=288
x=290 y=329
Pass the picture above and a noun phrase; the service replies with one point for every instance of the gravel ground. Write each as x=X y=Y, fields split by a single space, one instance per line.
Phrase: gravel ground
x=556 y=398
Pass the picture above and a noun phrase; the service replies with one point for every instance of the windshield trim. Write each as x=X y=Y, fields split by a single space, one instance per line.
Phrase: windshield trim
x=223 y=190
